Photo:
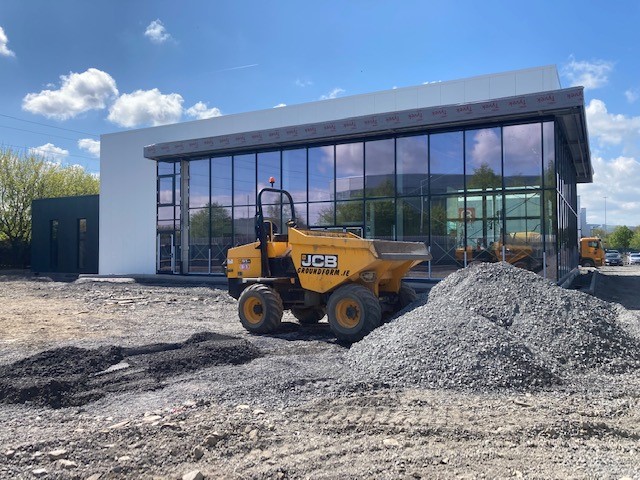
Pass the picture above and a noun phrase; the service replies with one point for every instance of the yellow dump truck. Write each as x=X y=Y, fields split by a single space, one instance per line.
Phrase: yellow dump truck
x=352 y=280
x=591 y=252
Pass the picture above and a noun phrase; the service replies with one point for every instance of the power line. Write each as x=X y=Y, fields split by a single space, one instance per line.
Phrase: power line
x=38 y=133
x=48 y=126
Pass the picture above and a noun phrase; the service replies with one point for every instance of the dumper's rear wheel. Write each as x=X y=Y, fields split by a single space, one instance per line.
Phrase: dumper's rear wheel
x=260 y=309
x=308 y=315
x=353 y=311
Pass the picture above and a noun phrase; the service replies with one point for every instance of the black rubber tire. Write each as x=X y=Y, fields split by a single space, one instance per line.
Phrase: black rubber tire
x=260 y=309
x=588 y=263
x=309 y=315
x=353 y=311
x=406 y=296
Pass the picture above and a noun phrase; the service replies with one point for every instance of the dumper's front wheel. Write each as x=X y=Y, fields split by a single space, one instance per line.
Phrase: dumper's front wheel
x=353 y=311
x=260 y=309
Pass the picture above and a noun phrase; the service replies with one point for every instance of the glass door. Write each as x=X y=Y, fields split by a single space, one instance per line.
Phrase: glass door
x=167 y=253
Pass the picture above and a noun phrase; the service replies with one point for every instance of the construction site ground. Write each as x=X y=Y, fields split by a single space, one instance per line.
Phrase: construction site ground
x=117 y=379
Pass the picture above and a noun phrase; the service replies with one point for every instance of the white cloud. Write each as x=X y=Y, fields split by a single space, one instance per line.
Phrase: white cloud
x=201 y=111
x=333 y=94
x=4 y=40
x=590 y=75
x=612 y=129
x=632 y=95
x=78 y=93
x=50 y=152
x=616 y=179
x=303 y=83
x=146 y=107
x=90 y=145
x=280 y=105
x=156 y=32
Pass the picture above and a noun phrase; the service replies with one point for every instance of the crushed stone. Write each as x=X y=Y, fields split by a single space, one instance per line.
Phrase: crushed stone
x=495 y=326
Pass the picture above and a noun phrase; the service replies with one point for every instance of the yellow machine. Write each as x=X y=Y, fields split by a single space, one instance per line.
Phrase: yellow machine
x=313 y=273
x=591 y=252
x=521 y=249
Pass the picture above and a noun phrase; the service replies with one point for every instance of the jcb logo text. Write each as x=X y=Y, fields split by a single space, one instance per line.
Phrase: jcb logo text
x=319 y=261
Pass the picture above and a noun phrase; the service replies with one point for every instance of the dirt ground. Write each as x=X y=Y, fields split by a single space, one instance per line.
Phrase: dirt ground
x=139 y=401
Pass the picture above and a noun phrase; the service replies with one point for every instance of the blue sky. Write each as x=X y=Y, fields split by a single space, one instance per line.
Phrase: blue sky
x=71 y=70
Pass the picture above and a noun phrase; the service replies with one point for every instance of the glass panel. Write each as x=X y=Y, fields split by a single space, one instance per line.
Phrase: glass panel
x=483 y=222
x=301 y=214
x=380 y=219
x=549 y=157
x=349 y=171
x=244 y=224
x=321 y=173
x=294 y=173
x=176 y=186
x=412 y=164
x=550 y=232
x=522 y=155
x=413 y=219
x=166 y=253
x=269 y=166
x=321 y=214
x=523 y=239
x=244 y=179
x=349 y=213
x=221 y=239
x=165 y=190
x=483 y=159
x=446 y=163
x=447 y=233
x=221 y=181
x=198 y=183
x=199 y=239
x=166 y=168
x=379 y=168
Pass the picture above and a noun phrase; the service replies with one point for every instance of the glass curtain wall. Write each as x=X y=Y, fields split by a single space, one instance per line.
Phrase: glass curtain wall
x=503 y=192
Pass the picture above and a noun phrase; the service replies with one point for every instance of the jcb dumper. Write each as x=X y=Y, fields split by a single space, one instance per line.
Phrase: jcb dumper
x=312 y=273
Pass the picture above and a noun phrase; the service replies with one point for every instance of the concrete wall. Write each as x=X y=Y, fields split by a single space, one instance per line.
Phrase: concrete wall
x=128 y=180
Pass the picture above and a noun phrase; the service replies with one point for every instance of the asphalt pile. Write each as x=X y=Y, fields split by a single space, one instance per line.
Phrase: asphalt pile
x=495 y=326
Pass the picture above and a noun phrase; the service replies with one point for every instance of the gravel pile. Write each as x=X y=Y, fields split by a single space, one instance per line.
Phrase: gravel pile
x=494 y=326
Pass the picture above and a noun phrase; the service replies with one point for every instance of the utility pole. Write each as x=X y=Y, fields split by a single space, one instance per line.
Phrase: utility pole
x=605 y=216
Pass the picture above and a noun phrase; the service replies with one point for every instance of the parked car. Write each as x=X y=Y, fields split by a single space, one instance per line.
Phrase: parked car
x=634 y=258
x=613 y=257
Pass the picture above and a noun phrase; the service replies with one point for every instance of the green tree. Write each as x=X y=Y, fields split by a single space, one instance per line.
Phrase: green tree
x=620 y=238
x=24 y=178
x=635 y=240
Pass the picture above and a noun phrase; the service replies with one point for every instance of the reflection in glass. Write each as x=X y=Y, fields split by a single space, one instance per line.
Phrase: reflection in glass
x=549 y=155
x=244 y=224
x=447 y=228
x=321 y=165
x=166 y=168
x=198 y=183
x=522 y=146
x=349 y=171
x=294 y=173
x=221 y=181
x=483 y=220
x=221 y=239
x=321 y=214
x=446 y=163
x=483 y=159
x=269 y=166
x=380 y=221
x=244 y=179
x=379 y=168
x=412 y=156
x=199 y=225
x=165 y=190
x=349 y=213
x=413 y=219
